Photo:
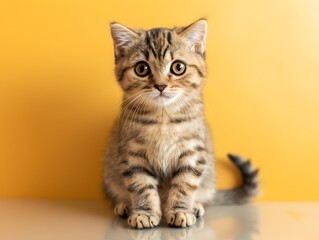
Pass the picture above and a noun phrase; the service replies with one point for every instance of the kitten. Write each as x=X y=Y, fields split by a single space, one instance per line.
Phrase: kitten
x=160 y=158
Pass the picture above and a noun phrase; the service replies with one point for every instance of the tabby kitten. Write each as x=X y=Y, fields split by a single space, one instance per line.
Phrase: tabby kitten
x=160 y=159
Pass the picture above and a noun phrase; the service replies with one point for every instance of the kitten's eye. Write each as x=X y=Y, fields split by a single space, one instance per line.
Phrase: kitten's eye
x=142 y=69
x=178 y=68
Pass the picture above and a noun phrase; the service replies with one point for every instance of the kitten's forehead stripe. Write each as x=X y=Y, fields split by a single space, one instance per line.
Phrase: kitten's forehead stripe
x=158 y=40
x=155 y=32
x=172 y=55
x=147 y=38
x=164 y=53
x=169 y=37
x=149 y=43
x=146 y=54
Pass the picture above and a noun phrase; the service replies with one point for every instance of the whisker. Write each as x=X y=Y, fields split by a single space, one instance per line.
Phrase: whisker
x=186 y=110
x=126 y=106
x=123 y=101
x=140 y=103
x=124 y=111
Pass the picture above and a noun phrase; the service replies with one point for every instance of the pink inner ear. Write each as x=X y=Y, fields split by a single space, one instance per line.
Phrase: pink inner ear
x=196 y=35
x=122 y=36
x=199 y=47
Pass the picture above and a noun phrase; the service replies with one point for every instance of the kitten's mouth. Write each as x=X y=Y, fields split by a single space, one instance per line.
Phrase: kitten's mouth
x=165 y=97
x=162 y=95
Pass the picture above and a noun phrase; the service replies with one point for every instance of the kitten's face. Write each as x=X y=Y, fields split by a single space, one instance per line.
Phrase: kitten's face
x=160 y=67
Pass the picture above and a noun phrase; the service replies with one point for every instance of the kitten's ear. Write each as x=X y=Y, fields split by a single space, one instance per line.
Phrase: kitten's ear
x=196 y=35
x=122 y=37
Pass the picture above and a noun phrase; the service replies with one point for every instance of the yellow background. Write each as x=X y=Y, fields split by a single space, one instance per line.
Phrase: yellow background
x=59 y=96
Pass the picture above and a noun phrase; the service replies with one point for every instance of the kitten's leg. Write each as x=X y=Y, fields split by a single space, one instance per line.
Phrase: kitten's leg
x=121 y=209
x=114 y=188
x=199 y=210
x=186 y=179
x=141 y=184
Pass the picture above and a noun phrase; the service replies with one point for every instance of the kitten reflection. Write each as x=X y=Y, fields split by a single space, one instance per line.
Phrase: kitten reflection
x=220 y=222
x=164 y=233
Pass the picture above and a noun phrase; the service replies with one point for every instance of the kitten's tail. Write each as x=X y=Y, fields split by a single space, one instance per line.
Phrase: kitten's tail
x=248 y=188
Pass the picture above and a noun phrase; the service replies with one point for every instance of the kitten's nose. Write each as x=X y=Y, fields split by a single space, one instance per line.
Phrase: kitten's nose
x=160 y=87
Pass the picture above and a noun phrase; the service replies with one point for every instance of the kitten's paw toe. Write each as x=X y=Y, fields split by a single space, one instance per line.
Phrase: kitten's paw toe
x=181 y=219
x=121 y=210
x=199 y=210
x=143 y=220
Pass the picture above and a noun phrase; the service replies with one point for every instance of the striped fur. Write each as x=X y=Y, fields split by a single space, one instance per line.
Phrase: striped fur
x=160 y=158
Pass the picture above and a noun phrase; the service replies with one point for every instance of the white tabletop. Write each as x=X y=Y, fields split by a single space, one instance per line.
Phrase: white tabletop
x=46 y=220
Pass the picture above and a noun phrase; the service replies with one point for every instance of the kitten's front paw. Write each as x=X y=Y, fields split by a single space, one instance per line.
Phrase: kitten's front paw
x=180 y=219
x=143 y=220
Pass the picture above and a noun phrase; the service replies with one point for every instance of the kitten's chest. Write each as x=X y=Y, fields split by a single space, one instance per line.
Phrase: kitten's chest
x=163 y=148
